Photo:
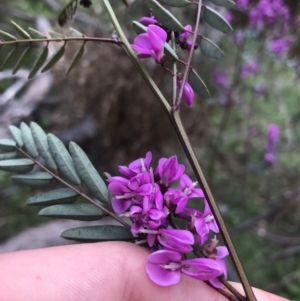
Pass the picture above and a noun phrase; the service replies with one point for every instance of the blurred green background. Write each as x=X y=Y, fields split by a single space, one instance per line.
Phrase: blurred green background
x=104 y=106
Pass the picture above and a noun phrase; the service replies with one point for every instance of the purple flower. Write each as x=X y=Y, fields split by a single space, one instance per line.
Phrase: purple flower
x=151 y=44
x=271 y=141
x=280 y=46
x=169 y=170
x=204 y=223
x=176 y=240
x=188 y=93
x=249 y=69
x=221 y=79
x=164 y=267
x=148 y=21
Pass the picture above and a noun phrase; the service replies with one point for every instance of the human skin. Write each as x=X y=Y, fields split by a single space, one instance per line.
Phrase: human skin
x=109 y=271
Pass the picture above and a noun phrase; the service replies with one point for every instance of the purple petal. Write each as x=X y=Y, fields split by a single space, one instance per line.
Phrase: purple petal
x=164 y=257
x=181 y=205
x=148 y=159
x=161 y=276
x=144 y=189
x=185 y=182
x=117 y=188
x=197 y=193
x=120 y=206
x=216 y=283
x=151 y=239
x=127 y=172
x=142 y=52
x=222 y=252
x=143 y=41
x=201 y=268
x=158 y=31
x=147 y=20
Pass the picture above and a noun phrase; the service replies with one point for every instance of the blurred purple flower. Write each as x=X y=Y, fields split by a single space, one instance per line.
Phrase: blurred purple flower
x=242 y=3
x=271 y=141
x=279 y=46
x=249 y=69
x=188 y=93
x=182 y=39
x=221 y=79
x=151 y=44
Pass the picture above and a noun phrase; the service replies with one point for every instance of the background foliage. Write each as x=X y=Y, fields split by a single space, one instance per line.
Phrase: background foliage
x=105 y=107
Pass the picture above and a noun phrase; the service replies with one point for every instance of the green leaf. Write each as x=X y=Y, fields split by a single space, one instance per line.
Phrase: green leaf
x=41 y=141
x=223 y=3
x=23 y=33
x=53 y=197
x=28 y=140
x=171 y=55
x=57 y=55
x=81 y=212
x=197 y=84
x=39 y=62
x=175 y=3
x=7 y=145
x=76 y=58
x=164 y=16
x=56 y=35
x=24 y=56
x=75 y=33
x=98 y=233
x=9 y=59
x=7 y=156
x=17 y=165
x=63 y=159
x=37 y=34
x=88 y=174
x=210 y=49
x=8 y=36
x=36 y=179
x=215 y=20
x=17 y=135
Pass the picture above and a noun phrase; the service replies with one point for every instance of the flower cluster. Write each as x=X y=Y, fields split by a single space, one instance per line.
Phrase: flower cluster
x=271 y=141
x=145 y=196
x=152 y=43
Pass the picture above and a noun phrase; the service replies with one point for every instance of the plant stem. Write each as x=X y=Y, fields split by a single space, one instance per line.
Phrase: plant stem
x=54 y=175
x=65 y=39
x=188 y=63
x=176 y=121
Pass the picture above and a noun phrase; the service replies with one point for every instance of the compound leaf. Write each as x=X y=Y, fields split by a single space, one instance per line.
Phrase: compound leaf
x=163 y=15
x=36 y=179
x=17 y=135
x=23 y=33
x=41 y=141
x=7 y=156
x=215 y=20
x=98 y=233
x=197 y=84
x=39 y=62
x=76 y=58
x=53 y=197
x=210 y=49
x=63 y=159
x=57 y=55
x=88 y=174
x=28 y=140
x=81 y=212
x=17 y=165
x=7 y=145
x=223 y=3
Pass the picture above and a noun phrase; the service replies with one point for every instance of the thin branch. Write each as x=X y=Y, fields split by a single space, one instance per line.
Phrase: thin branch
x=64 y=39
x=75 y=189
x=188 y=64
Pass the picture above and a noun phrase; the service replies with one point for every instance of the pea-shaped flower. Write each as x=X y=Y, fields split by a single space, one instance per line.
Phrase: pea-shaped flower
x=188 y=92
x=151 y=44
